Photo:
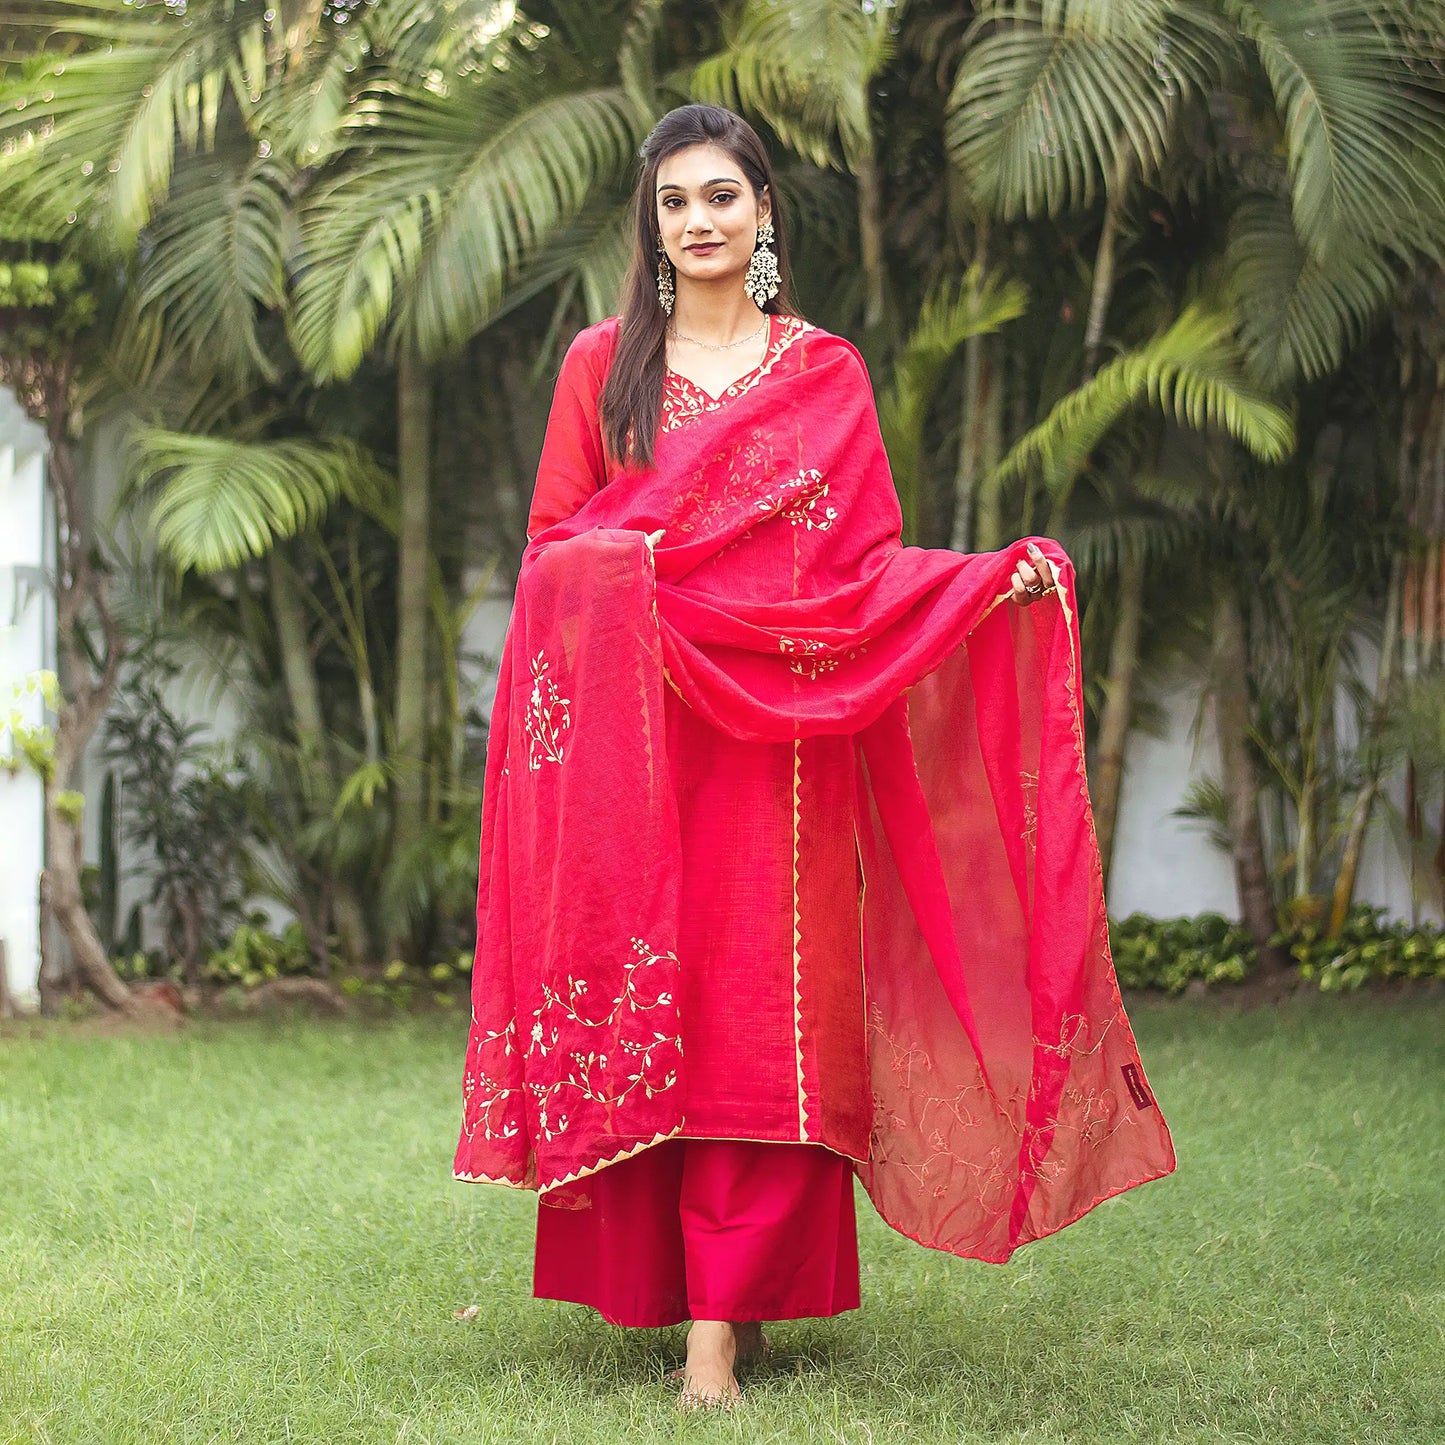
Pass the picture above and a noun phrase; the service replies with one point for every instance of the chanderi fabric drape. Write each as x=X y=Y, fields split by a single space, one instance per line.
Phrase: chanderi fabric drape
x=918 y=974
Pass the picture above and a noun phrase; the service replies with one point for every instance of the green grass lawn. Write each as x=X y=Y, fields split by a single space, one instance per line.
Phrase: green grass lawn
x=248 y=1232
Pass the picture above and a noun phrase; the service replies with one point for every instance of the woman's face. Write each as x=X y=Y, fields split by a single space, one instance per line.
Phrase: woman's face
x=707 y=214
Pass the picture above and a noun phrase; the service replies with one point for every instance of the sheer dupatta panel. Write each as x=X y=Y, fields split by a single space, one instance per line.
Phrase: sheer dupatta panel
x=780 y=603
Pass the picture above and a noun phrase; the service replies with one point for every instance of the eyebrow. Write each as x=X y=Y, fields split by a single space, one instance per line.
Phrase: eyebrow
x=716 y=181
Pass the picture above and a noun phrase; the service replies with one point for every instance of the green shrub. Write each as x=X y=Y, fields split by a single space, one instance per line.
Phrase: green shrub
x=1367 y=948
x=1171 y=953
x=255 y=955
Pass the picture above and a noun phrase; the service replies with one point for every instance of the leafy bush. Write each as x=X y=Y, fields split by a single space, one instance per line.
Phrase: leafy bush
x=401 y=984
x=186 y=806
x=1171 y=953
x=1367 y=948
x=255 y=955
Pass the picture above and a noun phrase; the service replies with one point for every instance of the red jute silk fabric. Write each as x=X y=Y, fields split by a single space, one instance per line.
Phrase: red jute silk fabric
x=1007 y=1095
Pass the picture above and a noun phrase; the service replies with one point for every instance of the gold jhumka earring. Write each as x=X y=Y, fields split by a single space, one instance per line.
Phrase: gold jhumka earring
x=666 y=295
x=763 y=281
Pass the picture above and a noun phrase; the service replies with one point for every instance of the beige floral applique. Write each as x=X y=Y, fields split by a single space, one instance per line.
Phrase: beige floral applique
x=800 y=501
x=592 y=1075
x=548 y=716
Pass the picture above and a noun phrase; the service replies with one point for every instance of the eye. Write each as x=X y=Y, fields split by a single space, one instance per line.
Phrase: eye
x=721 y=198
x=671 y=203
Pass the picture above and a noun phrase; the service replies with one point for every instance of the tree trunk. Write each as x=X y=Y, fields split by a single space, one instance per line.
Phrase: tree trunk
x=1241 y=786
x=297 y=665
x=188 y=907
x=1103 y=289
x=85 y=697
x=1108 y=771
x=66 y=902
x=987 y=447
x=870 y=236
x=968 y=477
x=1344 y=890
x=1124 y=645
x=413 y=561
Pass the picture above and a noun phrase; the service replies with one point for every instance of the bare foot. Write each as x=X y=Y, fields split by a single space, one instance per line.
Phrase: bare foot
x=707 y=1378
x=752 y=1343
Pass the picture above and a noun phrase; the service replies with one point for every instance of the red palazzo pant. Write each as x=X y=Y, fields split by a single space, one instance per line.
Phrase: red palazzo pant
x=706 y=1229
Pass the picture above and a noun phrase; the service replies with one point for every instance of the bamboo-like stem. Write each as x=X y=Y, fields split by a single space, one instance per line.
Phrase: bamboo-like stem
x=1108 y=772
x=1344 y=890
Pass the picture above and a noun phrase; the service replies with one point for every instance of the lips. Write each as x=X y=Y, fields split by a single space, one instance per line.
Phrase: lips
x=704 y=248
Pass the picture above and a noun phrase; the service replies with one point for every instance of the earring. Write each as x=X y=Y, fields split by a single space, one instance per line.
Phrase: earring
x=763 y=281
x=665 y=292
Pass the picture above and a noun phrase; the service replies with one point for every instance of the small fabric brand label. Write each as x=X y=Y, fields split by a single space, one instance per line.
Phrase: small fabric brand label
x=1135 y=1084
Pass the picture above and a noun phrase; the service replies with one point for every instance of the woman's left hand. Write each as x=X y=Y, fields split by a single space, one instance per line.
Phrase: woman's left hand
x=1032 y=579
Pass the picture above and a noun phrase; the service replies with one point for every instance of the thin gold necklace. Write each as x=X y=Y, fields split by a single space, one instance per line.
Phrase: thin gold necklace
x=720 y=346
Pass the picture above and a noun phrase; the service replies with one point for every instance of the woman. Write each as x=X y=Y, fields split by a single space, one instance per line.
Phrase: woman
x=788 y=872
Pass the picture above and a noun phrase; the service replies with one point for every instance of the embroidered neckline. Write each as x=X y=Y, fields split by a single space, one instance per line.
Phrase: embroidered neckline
x=682 y=400
x=687 y=381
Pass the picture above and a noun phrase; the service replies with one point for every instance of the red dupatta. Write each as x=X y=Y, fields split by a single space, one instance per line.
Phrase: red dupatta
x=780 y=603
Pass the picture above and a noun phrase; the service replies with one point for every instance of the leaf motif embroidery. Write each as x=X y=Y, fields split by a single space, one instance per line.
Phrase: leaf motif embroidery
x=548 y=716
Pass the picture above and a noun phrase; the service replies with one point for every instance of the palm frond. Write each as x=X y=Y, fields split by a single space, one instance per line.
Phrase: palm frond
x=1360 y=118
x=213 y=501
x=587 y=261
x=635 y=59
x=450 y=198
x=1299 y=314
x=215 y=257
x=1193 y=373
x=806 y=68
x=1097 y=543
x=1055 y=96
x=973 y=305
x=99 y=117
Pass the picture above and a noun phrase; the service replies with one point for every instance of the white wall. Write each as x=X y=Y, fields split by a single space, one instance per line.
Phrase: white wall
x=26 y=627
x=1166 y=865
x=1162 y=865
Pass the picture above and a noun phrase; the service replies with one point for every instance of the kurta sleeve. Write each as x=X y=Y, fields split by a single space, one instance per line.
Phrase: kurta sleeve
x=572 y=465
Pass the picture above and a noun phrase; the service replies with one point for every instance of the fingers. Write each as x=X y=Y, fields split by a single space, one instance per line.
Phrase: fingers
x=1032 y=579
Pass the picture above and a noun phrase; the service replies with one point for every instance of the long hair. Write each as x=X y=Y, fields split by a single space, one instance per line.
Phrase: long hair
x=632 y=396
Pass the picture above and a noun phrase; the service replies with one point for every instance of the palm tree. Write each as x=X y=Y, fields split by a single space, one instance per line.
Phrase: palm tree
x=1055 y=102
x=440 y=194
x=380 y=173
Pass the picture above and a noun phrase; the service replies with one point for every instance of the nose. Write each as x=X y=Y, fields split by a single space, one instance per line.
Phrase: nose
x=698 y=220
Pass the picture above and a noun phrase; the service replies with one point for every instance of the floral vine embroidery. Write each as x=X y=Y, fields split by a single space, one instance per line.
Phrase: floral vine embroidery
x=648 y=1063
x=548 y=716
x=811 y=658
x=808 y=659
x=488 y=1100
x=683 y=400
x=645 y=1063
x=800 y=500
x=1029 y=784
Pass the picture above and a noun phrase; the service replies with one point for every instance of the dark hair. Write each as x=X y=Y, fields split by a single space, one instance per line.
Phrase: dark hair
x=632 y=396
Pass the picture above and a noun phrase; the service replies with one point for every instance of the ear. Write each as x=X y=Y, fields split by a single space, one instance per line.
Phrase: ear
x=765 y=206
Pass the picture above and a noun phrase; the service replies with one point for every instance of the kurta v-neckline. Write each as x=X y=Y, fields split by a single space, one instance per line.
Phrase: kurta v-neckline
x=732 y=386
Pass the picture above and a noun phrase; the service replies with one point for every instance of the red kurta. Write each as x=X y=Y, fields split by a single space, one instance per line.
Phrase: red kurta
x=697 y=754
x=773 y=1034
